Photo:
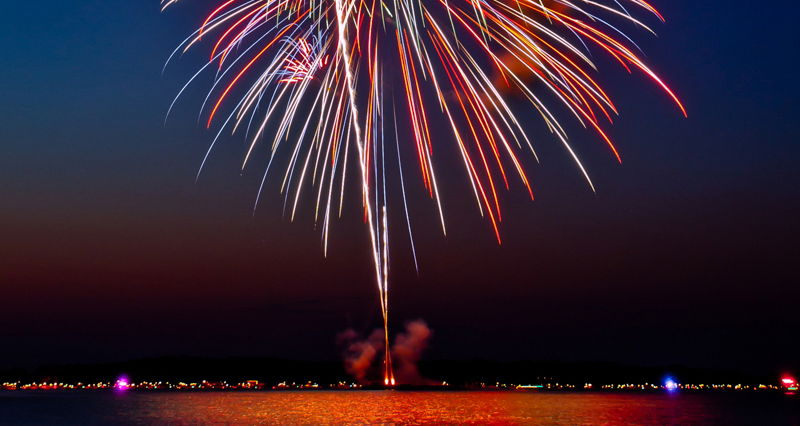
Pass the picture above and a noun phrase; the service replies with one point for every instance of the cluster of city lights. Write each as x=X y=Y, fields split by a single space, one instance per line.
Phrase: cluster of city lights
x=669 y=384
x=123 y=384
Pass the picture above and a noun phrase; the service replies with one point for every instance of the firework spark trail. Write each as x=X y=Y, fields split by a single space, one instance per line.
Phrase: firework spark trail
x=334 y=60
x=377 y=248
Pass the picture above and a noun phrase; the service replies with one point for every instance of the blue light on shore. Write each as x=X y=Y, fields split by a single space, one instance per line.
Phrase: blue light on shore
x=670 y=384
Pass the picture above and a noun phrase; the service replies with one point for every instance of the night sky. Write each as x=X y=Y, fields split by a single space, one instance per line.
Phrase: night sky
x=109 y=250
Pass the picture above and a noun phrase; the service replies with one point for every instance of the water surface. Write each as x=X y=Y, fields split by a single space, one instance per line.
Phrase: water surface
x=325 y=407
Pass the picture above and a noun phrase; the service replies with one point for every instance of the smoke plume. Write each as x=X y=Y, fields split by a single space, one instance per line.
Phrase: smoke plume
x=361 y=354
x=407 y=352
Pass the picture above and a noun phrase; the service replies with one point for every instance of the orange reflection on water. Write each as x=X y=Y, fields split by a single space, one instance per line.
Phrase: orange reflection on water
x=376 y=407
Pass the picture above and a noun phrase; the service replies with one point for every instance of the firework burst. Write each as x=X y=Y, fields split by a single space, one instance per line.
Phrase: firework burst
x=326 y=82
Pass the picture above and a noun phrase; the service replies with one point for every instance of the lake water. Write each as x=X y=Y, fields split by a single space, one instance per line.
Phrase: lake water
x=321 y=407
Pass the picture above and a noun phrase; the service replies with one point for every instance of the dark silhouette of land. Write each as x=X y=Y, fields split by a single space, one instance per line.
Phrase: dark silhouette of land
x=457 y=373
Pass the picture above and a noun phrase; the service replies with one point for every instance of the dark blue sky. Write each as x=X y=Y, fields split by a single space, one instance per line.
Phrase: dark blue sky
x=110 y=250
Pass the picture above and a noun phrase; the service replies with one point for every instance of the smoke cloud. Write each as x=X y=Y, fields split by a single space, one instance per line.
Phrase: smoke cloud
x=360 y=355
x=407 y=352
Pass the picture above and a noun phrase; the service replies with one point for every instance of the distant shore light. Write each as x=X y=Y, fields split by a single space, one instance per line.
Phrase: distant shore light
x=122 y=383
